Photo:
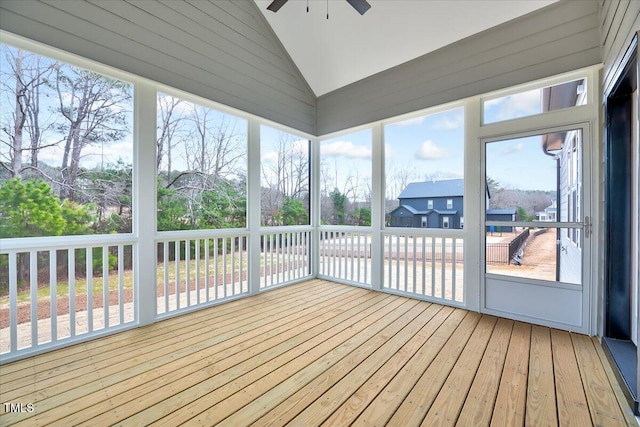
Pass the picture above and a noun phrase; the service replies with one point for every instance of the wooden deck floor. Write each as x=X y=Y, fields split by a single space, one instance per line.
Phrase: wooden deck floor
x=321 y=353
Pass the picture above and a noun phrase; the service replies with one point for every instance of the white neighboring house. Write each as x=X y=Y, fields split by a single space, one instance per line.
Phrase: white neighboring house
x=550 y=213
x=566 y=148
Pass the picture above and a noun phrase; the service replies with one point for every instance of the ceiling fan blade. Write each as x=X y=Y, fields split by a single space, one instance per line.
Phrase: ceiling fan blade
x=360 y=5
x=276 y=5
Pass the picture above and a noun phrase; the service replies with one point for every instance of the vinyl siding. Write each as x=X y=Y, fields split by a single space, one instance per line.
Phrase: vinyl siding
x=561 y=37
x=221 y=50
x=619 y=23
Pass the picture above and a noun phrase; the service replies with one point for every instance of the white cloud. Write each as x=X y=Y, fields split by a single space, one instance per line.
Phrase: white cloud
x=300 y=146
x=430 y=151
x=449 y=122
x=271 y=156
x=388 y=151
x=94 y=155
x=345 y=149
x=410 y=122
x=514 y=148
x=518 y=105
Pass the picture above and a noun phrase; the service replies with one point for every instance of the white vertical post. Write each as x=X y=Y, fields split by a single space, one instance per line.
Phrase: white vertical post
x=377 y=207
x=144 y=202
x=253 y=206
x=315 y=207
x=473 y=197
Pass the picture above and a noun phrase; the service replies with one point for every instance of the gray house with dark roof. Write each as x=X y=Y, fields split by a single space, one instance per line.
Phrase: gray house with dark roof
x=430 y=204
x=439 y=204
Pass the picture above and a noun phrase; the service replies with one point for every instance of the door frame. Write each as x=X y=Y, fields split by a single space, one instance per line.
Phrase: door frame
x=589 y=252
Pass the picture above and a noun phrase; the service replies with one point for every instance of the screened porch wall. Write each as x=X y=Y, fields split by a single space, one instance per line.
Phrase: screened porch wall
x=291 y=108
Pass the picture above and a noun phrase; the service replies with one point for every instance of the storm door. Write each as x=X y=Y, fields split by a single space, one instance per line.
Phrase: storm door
x=537 y=227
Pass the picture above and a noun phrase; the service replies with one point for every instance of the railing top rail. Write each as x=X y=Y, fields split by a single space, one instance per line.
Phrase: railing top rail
x=285 y=229
x=64 y=242
x=200 y=234
x=352 y=228
x=426 y=232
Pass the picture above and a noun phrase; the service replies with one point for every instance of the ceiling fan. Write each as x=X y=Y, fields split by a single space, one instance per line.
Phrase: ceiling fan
x=359 y=5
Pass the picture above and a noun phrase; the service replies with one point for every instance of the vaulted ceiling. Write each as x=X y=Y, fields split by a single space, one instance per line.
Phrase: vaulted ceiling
x=332 y=53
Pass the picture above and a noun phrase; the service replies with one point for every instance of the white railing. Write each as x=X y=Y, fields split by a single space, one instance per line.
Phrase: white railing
x=198 y=268
x=57 y=289
x=426 y=264
x=345 y=255
x=285 y=256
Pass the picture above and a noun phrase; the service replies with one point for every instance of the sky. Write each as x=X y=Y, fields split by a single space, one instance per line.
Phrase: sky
x=346 y=164
x=424 y=148
x=521 y=164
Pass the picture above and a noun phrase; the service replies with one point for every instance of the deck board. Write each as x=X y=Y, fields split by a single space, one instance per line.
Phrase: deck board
x=320 y=353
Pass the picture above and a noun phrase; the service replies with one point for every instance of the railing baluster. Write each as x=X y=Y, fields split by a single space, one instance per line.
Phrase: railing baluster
x=271 y=245
x=121 y=282
x=89 y=276
x=453 y=269
x=240 y=254
x=433 y=266
x=187 y=270
x=278 y=257
x=215 y=268
x=13 y=301
x=366 y=257
x=53 y=285
x=177 y=278
x=415 y=271
x=443 y=267
x=424 y=265
x=398 y=262
x=197 y=260
x=105 y=286
x=406 y=263
x=224 y=267
x=165 y=248
x=207 y=272
x=288 y=241
x=33 y=291
x=294 y=250
x=233 y=266
x=71 y=273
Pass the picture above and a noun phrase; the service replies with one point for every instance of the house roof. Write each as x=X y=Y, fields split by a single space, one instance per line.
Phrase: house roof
x=501 y=211
x=443 y=188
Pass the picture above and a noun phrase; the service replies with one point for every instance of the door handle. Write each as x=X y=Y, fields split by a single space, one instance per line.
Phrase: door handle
x=587 y=227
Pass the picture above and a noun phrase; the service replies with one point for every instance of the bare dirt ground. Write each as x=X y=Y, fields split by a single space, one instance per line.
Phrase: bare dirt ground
x=539 y=260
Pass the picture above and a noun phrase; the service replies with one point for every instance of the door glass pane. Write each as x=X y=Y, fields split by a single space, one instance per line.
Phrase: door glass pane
x=553 y=254
x=536 y=178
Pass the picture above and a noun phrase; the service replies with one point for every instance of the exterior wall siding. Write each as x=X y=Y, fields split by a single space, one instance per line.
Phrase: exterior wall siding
x=221 y=50
x=561 y=37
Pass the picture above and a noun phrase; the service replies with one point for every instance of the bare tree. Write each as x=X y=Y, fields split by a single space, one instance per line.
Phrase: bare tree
x=285 y=176
x=92 y=105
x=171 y=126
x=26 y=74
